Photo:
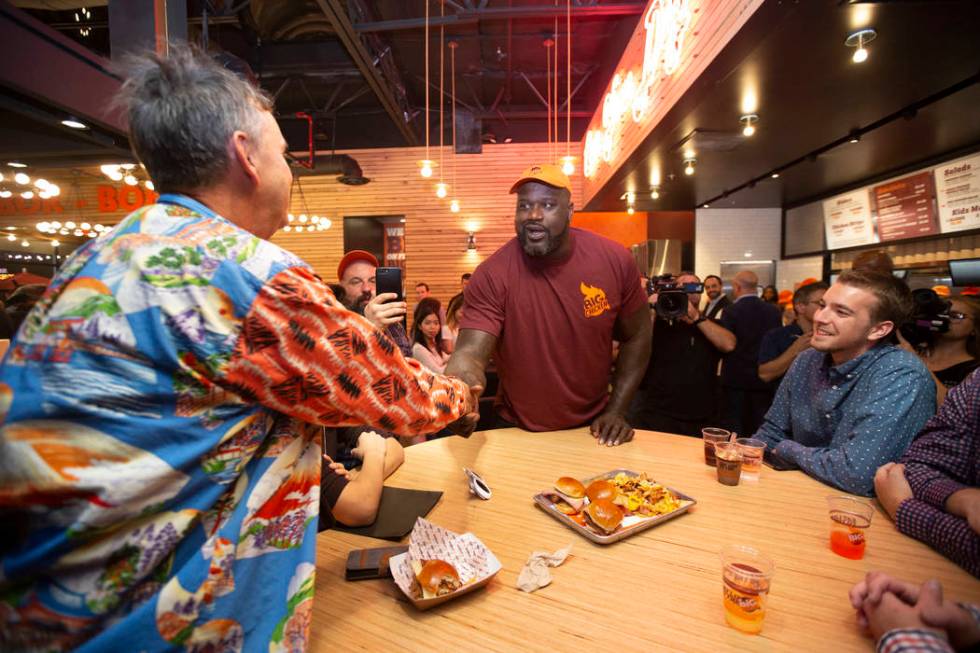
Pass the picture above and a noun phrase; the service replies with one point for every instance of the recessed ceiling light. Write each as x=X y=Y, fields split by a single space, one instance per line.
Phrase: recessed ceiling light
x=775 y=175
x=705 y=206
x=74 y=124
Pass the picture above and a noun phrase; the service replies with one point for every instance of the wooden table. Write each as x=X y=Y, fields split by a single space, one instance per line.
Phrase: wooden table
x=660 y=589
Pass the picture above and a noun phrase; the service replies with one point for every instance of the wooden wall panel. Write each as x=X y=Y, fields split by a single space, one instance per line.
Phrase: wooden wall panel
x=435 y=238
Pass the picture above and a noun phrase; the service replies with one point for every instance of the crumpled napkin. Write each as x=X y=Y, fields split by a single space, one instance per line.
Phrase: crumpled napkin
x=535 y=574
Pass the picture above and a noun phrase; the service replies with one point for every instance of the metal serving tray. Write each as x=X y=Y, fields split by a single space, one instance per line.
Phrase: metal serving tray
x=545 y=504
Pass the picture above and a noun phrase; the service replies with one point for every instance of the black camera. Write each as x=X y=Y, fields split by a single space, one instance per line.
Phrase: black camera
x=930 y=318
x=671 y=296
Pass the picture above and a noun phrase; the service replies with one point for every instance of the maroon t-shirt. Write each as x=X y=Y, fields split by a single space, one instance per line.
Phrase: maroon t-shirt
x=554 y=327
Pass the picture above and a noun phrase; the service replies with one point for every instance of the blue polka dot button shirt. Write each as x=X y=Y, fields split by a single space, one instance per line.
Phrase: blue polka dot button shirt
x=840 y=423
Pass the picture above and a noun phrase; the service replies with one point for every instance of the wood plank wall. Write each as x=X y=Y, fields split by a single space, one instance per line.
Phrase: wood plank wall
x=435 y=238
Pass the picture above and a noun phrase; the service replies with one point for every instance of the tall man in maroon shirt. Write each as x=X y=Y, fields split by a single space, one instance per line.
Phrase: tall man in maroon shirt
x=547 y=305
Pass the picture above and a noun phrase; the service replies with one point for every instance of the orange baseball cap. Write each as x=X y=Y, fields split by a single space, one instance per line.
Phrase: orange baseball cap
x=942 y=291
x=785 y=297
x=546 y=173
x=352 y=257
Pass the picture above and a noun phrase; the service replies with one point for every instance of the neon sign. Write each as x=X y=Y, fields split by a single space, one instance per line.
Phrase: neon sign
x=630 y=98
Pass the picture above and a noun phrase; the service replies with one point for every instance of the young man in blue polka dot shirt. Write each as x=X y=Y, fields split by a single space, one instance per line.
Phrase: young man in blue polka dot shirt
x=854 y=401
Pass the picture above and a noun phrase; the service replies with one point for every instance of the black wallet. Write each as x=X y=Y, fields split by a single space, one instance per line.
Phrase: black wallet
x=365 y=564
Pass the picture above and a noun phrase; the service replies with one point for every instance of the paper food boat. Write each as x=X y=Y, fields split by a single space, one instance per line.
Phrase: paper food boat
x=473 y=561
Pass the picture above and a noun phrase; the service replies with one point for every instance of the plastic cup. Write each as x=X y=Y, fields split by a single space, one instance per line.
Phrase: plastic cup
x=752 y=451
x=728 y=462
x=746 y=576
x=712 y=435
x=849 y=521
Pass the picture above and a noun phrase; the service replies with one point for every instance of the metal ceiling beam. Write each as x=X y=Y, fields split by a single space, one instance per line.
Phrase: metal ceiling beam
x=336 y=14
x=504 y=13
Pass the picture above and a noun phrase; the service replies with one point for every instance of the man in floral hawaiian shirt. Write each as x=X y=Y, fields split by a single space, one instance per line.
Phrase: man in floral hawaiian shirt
x=162 y=404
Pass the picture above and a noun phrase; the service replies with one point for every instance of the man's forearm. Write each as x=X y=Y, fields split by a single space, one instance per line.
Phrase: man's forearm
x=634 y=354
x=959 y=502
x=466 y=367
x=722 y=339
x=778 y=366
x=358 y=502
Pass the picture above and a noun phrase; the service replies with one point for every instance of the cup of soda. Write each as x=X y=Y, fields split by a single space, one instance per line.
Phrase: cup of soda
x=746 y=576
x=849 y=521
x=752 y=451
x=711 y=436
x=728 y=462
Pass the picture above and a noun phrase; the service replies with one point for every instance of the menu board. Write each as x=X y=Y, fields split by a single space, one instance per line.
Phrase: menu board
x=905 y=207
x=958 y=194
x=847 y=220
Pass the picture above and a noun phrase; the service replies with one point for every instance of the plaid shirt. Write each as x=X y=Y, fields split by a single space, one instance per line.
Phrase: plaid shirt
x=943 y=459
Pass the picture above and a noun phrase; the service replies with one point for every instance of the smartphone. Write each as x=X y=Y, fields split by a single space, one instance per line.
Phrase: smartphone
x=389 y=280
x=775 y=462
x=365 y=564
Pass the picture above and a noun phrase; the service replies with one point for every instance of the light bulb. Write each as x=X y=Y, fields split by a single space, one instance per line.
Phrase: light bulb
x=689 y=169
x=69 y=225
x=425 y=167
x=109 y=169
x=287 y=228
x=130 y=180
x=86 y=226
x=860 y=55
x=11 y=237
x=22 y=179
x=148 y=184
x=115 y=175
x=41 y=183
x=53 y=190
x=441 y=190
x=568 y=165
x=326 y=223
x=302 y=217
x=655 y=194
x=56 y=225
x=27 y=195
x=127 y=166
x=24 y=243
x=55 y=243
x=630 y=197
x=454 y=206
x=629 y=210
x=748 y=130
x=77 y=232
x=315 y=219
x=1 y=176
x=5 y=194
x=290 y=217
x=99 y=228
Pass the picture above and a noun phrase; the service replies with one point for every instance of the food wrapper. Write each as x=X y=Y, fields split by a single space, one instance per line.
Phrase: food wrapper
x=535 y=574
x=473 y=561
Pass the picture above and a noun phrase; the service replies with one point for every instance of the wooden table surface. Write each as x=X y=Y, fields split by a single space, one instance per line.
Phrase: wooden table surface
x=660 y=589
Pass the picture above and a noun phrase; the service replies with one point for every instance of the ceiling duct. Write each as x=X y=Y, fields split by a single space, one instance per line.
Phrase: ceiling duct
x=346 y=167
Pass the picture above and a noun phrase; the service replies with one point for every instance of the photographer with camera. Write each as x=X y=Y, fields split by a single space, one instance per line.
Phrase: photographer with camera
x=677 y=391
x=945 y=335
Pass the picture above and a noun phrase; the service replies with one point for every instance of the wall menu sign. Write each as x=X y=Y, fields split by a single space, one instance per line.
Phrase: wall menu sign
x=958 y=194
x=905 y=207
x=847 y=220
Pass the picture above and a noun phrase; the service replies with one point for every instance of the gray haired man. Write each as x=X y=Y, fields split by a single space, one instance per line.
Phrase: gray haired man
x=162 y=406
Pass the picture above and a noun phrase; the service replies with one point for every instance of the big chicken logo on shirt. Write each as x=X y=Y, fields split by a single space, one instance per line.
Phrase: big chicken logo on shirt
x=595 y=300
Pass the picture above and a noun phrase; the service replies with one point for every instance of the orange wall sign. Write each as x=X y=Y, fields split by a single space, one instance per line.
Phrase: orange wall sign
x=108 y=199
x=673 y=44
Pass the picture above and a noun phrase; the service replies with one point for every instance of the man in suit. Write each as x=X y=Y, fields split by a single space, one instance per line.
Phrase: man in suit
x=717 y=299
x=746 y=396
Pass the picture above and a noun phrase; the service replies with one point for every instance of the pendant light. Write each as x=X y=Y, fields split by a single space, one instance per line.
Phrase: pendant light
x=426 y=165
x=454 y=203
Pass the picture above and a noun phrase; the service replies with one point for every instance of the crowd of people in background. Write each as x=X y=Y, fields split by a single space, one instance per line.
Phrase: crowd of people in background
x=255 y=362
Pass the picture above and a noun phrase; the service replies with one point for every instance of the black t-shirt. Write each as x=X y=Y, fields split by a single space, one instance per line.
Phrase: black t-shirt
x=681 y=375
x=954 y=374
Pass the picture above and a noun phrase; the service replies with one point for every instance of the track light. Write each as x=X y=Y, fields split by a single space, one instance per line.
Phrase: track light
x=748 y=123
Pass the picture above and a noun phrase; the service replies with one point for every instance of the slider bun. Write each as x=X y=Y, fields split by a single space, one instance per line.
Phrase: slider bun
x=570 y=487
x=432 y=574
x=601 y=489
x=605 y=515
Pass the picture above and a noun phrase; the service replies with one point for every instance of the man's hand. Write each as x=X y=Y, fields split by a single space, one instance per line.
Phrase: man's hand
x=891 y=613
x=338 y=468
x=692 y=314
x=966 y=504
x=466 y=424
x=891 y=487
x=369 y=443
x=874 y=586
x=802 y=343
x=959 y=624
x=611 y=429
x=382 y=311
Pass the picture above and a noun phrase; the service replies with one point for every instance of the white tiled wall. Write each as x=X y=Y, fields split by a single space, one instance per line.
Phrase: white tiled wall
x=735 y=234
x=746 y=234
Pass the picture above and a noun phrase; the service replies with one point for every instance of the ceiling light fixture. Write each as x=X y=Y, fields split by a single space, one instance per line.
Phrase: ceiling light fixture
x=775 y=175
x=74 y=124
x=15 y=164
x=855 y=137
x=748 y=123
x=426 y=164
x=454 y=204
x=858 y=40
x=568 y=161
x=655 y=193
x=689 y=166
x=441 y=189
x=630 y=210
